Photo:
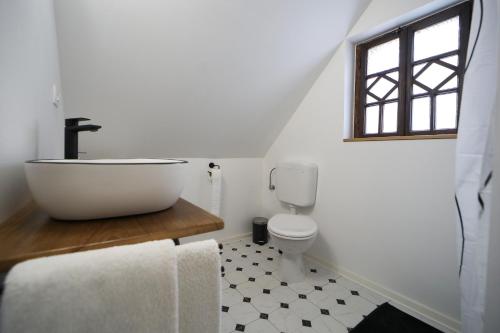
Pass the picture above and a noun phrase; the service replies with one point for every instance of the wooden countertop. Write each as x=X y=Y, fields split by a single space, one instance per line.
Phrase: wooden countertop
x=31 y=233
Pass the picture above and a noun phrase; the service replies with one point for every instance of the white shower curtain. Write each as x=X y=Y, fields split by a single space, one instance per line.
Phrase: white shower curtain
x=474 y=164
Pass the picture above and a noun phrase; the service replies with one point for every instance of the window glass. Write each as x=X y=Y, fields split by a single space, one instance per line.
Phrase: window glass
x=436 y=39
x=421 y=114
x=371 y=121
x=394 y=94
x=381 y=88
x=383 y=56
x=418 y=90
x=446 y=111
x=433 y=75
x=452 y=84
x=453 y=60
x=390 y=120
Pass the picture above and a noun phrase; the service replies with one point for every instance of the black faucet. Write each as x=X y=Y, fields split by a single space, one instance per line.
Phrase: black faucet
x=71 y=136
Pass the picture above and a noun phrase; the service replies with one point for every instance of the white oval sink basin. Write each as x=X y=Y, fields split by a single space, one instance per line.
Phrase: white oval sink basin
x=94 y=189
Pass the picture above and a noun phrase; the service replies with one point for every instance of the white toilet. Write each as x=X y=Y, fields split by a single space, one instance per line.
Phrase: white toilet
x=294 y=234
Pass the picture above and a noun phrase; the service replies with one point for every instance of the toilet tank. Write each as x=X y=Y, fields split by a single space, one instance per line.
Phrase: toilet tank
x=296 y=183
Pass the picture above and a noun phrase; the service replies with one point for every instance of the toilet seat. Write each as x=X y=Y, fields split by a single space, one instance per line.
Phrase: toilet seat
x=292 y=226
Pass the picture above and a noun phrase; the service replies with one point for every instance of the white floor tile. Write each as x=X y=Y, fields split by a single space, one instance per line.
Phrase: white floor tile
x=249 y=289
x=301 y=287
x=260 y=326
x=231 y=297
x=236 y=277
x=321 y=299
x=284 y=319
x=267 y=282
x=253 y=271
x=337 y=291
x=304 y=309
x=227 y=323
x=277 y=275
x=243 y=313
x=348 y=284
x=320 y=277
x=372 y=297
x=327 y=324
x=349 y=320
x=270 y=253
x=283 y=294
x=264 y=303
x=254 y=256
x=361 y=305
x=267 y=265
x=224 y=284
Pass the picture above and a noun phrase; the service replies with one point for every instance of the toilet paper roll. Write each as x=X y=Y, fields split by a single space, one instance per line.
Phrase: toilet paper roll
x=216 y=182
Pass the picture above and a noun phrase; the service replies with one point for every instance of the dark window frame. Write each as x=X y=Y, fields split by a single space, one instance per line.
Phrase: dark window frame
x=405 y=34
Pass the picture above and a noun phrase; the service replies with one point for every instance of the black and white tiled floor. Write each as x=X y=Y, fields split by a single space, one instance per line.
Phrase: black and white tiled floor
x=254 y=298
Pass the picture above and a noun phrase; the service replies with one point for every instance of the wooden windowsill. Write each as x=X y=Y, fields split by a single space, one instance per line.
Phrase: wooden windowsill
x=409 y=137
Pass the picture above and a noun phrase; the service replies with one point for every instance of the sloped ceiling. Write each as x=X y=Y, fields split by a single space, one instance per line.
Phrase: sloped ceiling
x=193 y=78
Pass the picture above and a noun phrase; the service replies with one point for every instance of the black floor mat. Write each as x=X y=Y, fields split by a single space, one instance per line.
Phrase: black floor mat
x=388 y=319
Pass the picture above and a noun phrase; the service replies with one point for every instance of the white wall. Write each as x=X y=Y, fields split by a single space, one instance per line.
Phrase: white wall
x=385 y=210
x=31 y=126
x=241 y=193
x=193 y=78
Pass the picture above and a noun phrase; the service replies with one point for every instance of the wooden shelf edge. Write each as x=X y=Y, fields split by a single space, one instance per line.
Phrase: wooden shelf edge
x=30 y=233
x=403 y=138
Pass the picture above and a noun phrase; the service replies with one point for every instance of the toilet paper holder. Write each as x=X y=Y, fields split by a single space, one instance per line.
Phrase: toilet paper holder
x=212 y=165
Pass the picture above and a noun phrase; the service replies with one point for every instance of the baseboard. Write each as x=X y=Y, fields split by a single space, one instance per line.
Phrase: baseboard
x=414 y=308
x=216 y=236
x=234 y=238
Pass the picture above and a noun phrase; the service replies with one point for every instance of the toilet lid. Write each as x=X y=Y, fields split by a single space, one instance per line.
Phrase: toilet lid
x=294 y=226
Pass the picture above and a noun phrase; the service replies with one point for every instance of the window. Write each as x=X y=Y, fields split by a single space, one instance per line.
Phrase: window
x=409 y=81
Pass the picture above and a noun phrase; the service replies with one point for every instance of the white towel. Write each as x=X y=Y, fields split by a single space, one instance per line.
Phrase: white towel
x=120 y=289
x=198 y=267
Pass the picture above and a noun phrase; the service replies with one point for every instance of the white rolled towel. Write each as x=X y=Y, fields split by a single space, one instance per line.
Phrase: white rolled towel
x=122 y=289
x=198 y=267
